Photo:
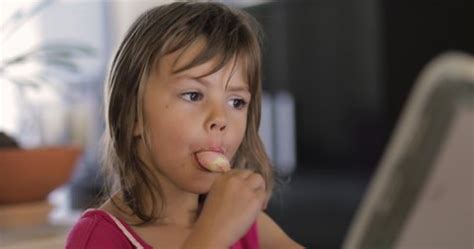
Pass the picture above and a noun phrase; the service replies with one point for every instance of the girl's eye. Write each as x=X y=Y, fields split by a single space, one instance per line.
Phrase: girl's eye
x=238 y=103
x=192 y=96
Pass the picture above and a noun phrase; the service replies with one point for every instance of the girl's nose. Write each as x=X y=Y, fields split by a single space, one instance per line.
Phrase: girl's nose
x=217 y=125
x=217 y=121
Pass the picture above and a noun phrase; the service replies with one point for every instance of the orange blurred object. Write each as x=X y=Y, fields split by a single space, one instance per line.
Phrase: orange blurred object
x=31 y=174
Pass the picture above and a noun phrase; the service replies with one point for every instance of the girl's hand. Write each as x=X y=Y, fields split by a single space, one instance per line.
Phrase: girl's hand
x=231 y=207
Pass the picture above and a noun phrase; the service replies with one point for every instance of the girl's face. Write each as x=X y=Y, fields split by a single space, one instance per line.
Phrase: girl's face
x=185 y=114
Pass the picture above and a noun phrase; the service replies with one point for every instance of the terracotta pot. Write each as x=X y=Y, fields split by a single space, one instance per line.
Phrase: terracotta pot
x=30 y=175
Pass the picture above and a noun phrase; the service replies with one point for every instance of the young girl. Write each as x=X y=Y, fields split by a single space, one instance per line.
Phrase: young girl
x=183 y=93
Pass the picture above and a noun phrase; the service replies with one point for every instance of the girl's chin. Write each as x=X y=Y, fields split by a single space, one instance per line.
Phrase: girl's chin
x=201 y=188
x=198 y=190
x=201 y=185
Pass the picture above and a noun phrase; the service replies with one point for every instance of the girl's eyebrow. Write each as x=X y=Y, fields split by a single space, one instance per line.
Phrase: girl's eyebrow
x=238 y=88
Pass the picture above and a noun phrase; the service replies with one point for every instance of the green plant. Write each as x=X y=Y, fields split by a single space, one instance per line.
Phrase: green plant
x=56 y=63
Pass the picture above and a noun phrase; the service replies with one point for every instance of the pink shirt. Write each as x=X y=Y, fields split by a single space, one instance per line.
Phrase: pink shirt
x=101 y=230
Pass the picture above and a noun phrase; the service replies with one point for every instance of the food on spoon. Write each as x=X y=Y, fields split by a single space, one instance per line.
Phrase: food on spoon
x=213 y=161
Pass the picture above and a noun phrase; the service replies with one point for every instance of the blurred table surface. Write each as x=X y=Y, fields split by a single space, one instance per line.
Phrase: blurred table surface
x=26 y=225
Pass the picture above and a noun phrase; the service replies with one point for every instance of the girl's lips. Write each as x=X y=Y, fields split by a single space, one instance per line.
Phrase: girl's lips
x=214 y=149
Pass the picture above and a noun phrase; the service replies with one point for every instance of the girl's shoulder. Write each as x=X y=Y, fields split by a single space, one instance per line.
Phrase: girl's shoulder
x=99 y=229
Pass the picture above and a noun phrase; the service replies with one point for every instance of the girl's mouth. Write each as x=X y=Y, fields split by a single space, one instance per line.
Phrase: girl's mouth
x=213 y=161
x=200 y=166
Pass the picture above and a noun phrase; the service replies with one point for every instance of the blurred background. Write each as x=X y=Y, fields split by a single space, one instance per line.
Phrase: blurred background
x=336 y=76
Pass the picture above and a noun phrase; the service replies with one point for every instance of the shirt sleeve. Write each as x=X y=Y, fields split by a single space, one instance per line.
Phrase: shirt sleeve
x=94 y=232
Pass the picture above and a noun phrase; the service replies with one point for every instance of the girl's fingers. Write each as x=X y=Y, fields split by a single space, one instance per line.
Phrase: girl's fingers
x=255 y=181
x=252 y=179
x=267 y=200
x=242 y=173
x=261 y=195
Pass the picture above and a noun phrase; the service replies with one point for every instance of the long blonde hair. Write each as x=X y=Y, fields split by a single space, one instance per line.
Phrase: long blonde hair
x=229 y=33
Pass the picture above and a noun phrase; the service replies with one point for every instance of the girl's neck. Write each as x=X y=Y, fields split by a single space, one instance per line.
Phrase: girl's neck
x=181 y=210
